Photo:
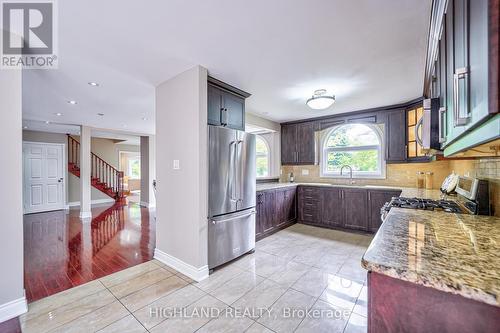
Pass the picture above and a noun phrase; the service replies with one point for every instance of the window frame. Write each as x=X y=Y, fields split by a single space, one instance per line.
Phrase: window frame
x=268 y=155
x=129 y=167
x=377 y=129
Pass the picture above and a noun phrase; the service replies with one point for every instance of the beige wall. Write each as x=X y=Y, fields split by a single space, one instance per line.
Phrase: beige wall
x=181 y=225
x=11 y=177
x=405 y=174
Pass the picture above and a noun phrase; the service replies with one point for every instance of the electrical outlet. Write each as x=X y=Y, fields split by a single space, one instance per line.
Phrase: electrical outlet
x=305 y=172
x=176 y=165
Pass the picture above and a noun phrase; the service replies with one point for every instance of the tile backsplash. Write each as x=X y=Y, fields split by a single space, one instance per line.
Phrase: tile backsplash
x=406 y=175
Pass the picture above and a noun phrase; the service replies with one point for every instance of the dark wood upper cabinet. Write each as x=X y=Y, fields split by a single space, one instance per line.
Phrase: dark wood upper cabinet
x=297 y=143
x=288 y=144
x=305 y=143
x=377 y=199
x=226 y=105
x=355 y=203
x=333 y=210
x=395 y=136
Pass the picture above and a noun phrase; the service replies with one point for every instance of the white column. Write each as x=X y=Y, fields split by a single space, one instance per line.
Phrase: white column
x=12 y=299
x=147 y=171
x=85 y=168
x=182 y=173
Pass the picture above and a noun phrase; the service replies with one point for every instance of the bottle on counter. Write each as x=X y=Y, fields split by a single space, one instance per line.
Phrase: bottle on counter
x=291 y=177
x=420 y=179
x=428 y=180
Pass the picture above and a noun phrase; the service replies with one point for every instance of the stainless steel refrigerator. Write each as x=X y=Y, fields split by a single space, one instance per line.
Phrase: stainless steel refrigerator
x=231 y=194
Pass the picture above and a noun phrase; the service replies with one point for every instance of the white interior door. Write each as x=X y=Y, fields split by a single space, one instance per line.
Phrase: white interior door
x=43 y=177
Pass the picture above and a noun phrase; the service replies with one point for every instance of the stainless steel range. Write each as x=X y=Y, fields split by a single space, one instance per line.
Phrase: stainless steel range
x=472 y=198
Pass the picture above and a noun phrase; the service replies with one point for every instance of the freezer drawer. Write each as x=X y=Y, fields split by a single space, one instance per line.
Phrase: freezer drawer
x=230 y=236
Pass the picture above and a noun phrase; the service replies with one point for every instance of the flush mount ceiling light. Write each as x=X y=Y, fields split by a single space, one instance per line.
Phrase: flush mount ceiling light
x=72 y=102
x=58 y=114
x=320 y=101
x=94 y=84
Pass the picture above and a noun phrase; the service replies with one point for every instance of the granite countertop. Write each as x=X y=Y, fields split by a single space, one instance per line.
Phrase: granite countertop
x=406 y=191
x=456 y=253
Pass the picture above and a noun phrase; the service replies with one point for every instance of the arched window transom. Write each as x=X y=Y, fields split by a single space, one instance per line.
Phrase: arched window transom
x=356 y=145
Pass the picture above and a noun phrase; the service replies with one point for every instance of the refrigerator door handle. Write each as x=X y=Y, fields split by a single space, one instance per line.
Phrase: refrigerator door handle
x=237 y=167
x=232 y=218
x=232 y=168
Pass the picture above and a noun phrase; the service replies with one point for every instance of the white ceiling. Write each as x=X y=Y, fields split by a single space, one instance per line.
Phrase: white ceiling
x=368 y=53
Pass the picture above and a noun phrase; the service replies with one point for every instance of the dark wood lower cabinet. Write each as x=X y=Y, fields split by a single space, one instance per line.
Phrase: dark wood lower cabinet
x=333 y=208
x=399 y=306
x=342 y=207
x=376 y=200
x=355 y=202
x=276 y=209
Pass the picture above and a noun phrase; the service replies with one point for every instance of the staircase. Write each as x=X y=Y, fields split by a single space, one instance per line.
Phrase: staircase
x=104 y=177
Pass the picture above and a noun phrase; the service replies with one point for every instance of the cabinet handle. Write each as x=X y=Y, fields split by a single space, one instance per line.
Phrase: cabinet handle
x=442 y=124
x=369 y=198
x=460 y=74
x=417 y=137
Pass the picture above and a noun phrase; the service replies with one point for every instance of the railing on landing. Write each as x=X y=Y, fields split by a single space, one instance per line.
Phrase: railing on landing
x=104 y=176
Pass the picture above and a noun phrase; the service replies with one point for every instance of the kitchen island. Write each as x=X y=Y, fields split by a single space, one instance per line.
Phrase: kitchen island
x=433 y=271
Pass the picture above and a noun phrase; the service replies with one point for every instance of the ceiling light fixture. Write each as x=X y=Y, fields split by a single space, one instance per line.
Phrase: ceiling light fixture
x=100 y=114
x=320 y=101
x=58 y=114
x=47 y=122
x=144 y=118
x=25 y=127
x=72 y=102
x=94 y=84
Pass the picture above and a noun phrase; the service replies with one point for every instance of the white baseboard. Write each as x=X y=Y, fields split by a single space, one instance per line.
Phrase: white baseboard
x=13 y=309
x=93 y=202
x=85 y=215
x=197 y=274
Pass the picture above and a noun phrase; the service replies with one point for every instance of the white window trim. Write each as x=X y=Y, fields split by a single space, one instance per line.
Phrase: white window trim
x=268 y=155
x=355 y=174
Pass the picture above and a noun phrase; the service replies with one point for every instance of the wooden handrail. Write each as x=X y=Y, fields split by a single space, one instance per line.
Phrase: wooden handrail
x=101 y=170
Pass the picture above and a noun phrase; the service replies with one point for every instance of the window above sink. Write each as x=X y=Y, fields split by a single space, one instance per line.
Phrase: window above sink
x=358 y=145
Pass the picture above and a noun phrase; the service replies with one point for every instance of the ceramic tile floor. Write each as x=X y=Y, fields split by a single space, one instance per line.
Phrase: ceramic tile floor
x=299 y=268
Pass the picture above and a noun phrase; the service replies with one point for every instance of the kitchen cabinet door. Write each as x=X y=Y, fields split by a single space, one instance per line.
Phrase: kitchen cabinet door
x=259 y=216
x=396 y=136
x=234 y=106
x=376 y=199
x=479 y=63
x=305 y=143
x=333 y=210
x=215 y=106
x=288 y=144
x=290 y=204
x=269 y=216
x=280 y=207
x=355 y=203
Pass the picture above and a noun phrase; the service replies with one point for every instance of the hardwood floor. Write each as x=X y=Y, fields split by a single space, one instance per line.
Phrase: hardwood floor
x=61 y=252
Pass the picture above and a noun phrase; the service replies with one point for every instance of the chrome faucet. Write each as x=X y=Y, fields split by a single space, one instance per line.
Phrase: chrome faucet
x=350 y=172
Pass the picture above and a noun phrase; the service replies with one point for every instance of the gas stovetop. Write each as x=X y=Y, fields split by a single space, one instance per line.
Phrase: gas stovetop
x=425 y=204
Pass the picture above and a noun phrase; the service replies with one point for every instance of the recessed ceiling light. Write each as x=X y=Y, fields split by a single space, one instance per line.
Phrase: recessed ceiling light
x=72 y=102
x=25 y=127
x=58 y=114
x=100 y=114
x=320 y=101
x=47 y=122
x=144 y=118
x=94 y=84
